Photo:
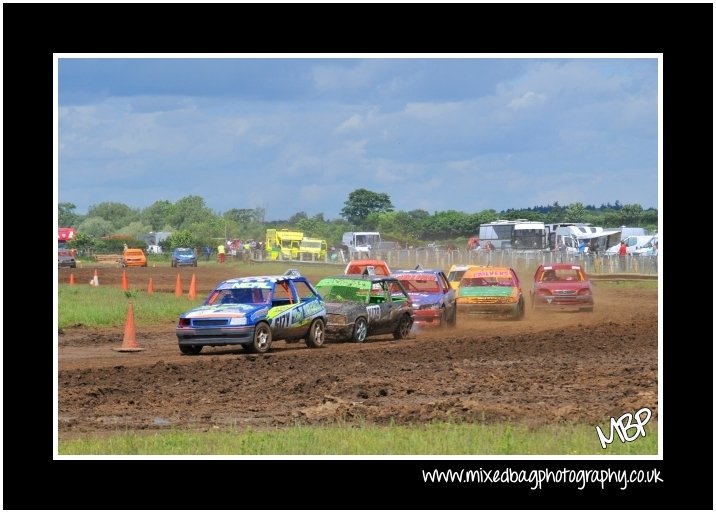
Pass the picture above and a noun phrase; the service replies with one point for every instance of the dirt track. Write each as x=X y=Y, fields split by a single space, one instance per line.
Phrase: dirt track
x=561 y=367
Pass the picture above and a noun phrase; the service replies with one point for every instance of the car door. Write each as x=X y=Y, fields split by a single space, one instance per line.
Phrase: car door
x=286 y=320
x=396 y=299
x=448 y=293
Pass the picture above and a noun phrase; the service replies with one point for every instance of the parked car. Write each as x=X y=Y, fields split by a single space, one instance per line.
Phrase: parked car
x=563 y=286
x=133 y=257
x=183 y=256
x=367 y=266
x=432 y=296
x=65 y=258
x=492 y=291
x=359 y=306
x=253 y=312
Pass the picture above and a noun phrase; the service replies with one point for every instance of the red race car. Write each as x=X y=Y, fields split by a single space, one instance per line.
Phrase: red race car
x=563 y=286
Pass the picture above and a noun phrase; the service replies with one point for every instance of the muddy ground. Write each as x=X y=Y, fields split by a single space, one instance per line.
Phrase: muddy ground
x=546 y=368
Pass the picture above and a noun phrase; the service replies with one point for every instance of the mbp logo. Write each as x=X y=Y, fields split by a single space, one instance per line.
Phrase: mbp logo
x=623 y=424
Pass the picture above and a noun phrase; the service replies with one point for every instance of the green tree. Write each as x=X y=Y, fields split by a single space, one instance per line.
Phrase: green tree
x=631 y=214
x=362 y=202
x=66 y=216
x=181 y=239
x=575 y=213
x=118 y=214
x=295 y=218
x=82 y=242
x=157 y=215
x=135 y=229
x=190 y=210
x=97 y=227
x=240 y=215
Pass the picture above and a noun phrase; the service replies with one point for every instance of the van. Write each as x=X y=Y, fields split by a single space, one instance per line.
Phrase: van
x=633 y=243
x=650 y=248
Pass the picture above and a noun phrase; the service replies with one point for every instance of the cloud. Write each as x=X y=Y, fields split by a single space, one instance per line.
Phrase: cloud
x=527 y=99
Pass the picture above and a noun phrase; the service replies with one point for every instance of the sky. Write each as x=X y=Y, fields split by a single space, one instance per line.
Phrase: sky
x=291 y=134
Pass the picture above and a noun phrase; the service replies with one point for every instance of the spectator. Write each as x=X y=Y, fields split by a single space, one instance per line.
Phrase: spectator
x=207 y=252
x=222 y=253
x=593 y=248
x=562 y=247
x=622 y=256
x=489 y=248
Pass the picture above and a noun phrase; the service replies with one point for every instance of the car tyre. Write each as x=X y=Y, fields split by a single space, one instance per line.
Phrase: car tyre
x=360 y=330
x=262 y=338
x=403 y=328
x=443 y=317
x=316 y=334
x=452 y=321
x=520 y=310
x=193 y=349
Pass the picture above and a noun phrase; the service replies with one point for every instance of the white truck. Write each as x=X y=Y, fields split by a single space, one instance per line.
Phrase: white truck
x=361 y=242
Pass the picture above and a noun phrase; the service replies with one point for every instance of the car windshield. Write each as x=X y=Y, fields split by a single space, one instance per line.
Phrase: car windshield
x=561 y=275
x=184 y=252
x=342 y=290
x=487 y=281
x=419 y=283
x=455 y=275
x=240 y=296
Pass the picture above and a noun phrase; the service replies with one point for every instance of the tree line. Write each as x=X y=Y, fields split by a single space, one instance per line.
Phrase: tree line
x=110 y=225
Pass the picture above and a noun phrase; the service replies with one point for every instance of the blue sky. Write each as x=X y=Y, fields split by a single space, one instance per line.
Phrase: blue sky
x=300 y=134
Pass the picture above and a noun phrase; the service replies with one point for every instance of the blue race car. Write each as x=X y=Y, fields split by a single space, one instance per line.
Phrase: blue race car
x=184 y=256
x=252 y=312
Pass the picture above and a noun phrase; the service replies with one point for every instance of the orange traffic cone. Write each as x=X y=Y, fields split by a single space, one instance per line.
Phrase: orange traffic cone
x=95 y=281
x=150 y=287
x=192 y=287
x=72 y=278
x=125 y=283
x=177 y=289
x=129 y=343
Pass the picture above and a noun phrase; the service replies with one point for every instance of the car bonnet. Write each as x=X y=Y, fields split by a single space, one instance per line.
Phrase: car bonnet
x=225 y=310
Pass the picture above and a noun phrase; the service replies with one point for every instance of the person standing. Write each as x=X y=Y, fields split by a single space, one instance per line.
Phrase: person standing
x=562 y=251
x=222 y=253
x=489 y=248
x=622 y=256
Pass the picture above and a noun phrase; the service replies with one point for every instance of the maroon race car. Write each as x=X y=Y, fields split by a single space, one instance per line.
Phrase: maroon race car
x=563 y=286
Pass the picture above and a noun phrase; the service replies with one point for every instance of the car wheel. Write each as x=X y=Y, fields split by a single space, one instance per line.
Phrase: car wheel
x=193 y=349
x=316 y=334
x=403 y=328
x=262 y=338
x=443 y=317
x=360 y=330
x=520 y=310
x=452 y=321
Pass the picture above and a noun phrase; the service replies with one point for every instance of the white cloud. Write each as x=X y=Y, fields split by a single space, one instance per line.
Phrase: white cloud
x=527 y=99
x=354 y=122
